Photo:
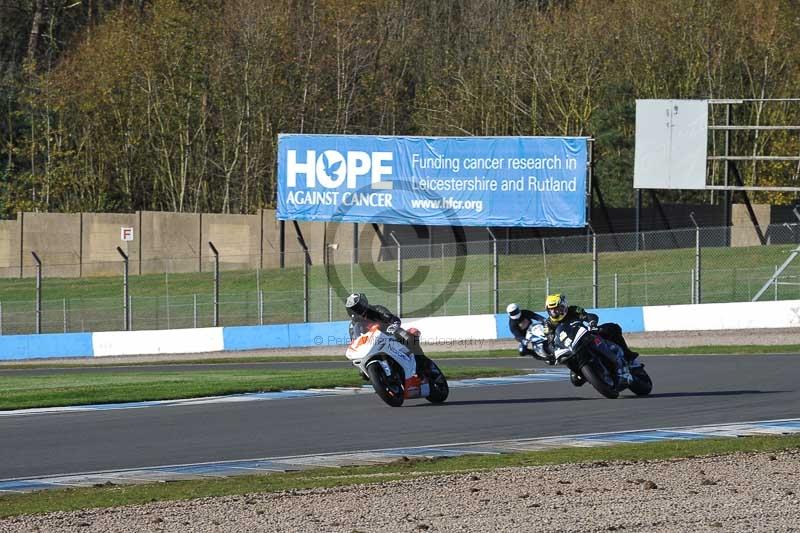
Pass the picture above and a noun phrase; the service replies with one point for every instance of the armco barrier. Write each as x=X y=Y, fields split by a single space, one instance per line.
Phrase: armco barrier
x=53 y=345
x=439 y=330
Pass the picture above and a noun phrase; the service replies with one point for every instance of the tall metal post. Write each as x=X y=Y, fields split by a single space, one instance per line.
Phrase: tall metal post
x=775 y=283
x=328 y=266
x=260 y=307
x=399 y=275
x=697 y=297
x=305 y=287
x=125 y=309
x=726 y=194
x=38 y=292
x=595 y=281
x=216 y=282
x=306 y=261
x=495 y=274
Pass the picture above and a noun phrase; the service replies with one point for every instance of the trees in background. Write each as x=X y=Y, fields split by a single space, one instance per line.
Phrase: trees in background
x=119 y=105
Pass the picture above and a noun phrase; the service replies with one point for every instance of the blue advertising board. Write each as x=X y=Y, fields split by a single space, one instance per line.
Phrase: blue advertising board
x=439 y=181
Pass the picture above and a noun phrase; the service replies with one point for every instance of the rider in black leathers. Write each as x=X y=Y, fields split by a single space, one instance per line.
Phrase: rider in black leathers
x=558 y=311
x=363 y=315
x=518 y=322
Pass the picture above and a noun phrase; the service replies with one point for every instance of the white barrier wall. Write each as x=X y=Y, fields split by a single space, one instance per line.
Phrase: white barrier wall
x=445 y=329
x=777 y=314
x=157 y=342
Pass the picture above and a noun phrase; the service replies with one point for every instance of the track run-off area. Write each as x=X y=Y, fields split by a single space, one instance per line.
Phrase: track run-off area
x=693 y=396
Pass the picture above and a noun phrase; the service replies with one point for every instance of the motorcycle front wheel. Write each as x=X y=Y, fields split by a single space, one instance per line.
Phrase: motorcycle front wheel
x=642 y=384
x=593 y=372
x=390 y=393
x=439 y=387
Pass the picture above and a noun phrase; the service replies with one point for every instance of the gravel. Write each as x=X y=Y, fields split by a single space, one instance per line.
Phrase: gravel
x=738 y=492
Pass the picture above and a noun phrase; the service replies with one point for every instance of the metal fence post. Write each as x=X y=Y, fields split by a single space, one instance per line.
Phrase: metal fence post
x=305 y=287
x=130 y=312
x=616 y=290
x=216 y=282
x=306 y=262
x=166 y=291
x=328 y=265
x=260 y=307
x=125 y=308
x=697 y=297
x=595 y=287
x=776 y=283
x=38 y=292
x=495 y=274
x=691 y=288
x=399 y=275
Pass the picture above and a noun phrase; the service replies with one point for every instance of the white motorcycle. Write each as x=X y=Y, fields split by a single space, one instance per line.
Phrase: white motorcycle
x=392 y=369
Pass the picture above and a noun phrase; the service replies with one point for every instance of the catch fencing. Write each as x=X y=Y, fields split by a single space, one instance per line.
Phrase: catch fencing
x=680 y=266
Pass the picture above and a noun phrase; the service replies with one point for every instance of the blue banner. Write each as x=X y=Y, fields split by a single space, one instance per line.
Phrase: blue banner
x=434 y=181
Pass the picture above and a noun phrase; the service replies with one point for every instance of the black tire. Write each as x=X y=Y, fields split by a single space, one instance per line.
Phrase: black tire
x=592 y=375
x=392 y=395
x=439 y=387
x=642 y=384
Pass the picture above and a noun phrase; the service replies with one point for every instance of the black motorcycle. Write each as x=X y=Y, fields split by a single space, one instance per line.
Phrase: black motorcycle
x=580 y=348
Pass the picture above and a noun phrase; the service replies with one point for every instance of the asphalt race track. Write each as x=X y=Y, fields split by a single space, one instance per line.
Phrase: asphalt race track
x=689 y=390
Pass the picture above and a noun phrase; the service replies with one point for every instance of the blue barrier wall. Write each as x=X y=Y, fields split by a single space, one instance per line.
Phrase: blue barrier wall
x=286 y=335
x=253 y=337
x=14 y=347
x=630 y=319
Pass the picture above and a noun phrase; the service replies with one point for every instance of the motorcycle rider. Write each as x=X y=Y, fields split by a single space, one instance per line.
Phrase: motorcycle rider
x=519 y=320
x=363 y=315
x=559 y=310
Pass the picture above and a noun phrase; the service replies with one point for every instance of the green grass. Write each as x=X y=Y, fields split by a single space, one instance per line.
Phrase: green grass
x=160 y=301
x=114 y=496
x=724 y=350
x=83 y=388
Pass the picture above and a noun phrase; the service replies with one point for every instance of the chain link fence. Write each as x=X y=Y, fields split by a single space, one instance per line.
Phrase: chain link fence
x=607 y=270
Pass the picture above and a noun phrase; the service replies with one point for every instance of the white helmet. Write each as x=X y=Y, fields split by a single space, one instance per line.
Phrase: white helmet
x=513 y=311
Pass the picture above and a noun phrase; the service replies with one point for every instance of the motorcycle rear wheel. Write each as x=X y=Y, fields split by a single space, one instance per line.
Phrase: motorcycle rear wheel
x=593 y=376
x=642 y=384
x=439 y=387
x=390 y=394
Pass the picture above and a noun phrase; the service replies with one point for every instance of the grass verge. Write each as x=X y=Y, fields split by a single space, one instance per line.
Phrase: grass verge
x=474 y=354
x=83 y=388
x=724 y=350
x=114 y=496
